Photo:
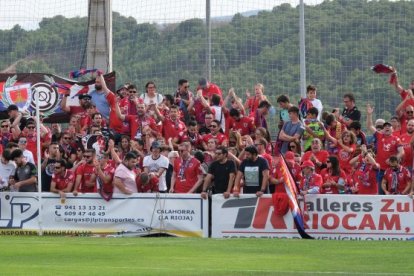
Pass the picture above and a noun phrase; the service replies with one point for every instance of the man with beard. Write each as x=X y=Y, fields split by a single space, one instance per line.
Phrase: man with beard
x=215 y=134
x=397 y=179
x=183 y=96
x=86 y=174
x=25 y=177
x=156 y=165
x=255 y=171
x=187 y=175
x=8 y=132
x=124 y=178
x=105 y=171
x=99 y=96
x=222 y=173
x=62 y=179
x=405 y=138
x=191 y=135
x=139 y=121
x=244 y=125
x=51 y=156
x=7 y=168
x=84 y=101
x=127 y=104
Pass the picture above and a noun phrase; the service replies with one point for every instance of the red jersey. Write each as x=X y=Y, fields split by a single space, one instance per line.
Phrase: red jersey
x=186 y=174
x=344 y=157
x=137 y=124
x=150 y=187
x=110 y=171
x=311 y=182
x=321 y=155
x=365 y=179
x=62 y=181
x=386 y=147
x=277 y=173
x=220 y=138
x=171 y=129
x=402 y=178
x=245 y=126
x=408 y=151
x=327 y=177
x=212 y=89
x=114 y=122
x=184 y=136
x=129 y=107
x=295 y=170
x=335 y=132
x=32 y=144
x=76 y=110
x=87 y=171
x=252 y=104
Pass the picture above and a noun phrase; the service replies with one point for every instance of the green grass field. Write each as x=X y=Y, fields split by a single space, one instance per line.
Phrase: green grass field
x=187 y=256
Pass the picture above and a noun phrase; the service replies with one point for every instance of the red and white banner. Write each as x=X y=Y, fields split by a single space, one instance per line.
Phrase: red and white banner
x=181 y=215
x=341 y=217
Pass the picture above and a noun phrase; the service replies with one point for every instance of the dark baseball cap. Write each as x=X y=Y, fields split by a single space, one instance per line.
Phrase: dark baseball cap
x=84 y=96
x=12 y=107
x=202 y=82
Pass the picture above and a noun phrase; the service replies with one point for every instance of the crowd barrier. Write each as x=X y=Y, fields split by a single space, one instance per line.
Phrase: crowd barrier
x=341 y=217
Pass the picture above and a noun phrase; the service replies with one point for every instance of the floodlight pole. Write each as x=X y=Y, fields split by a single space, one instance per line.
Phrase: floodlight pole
x=302 y=49
x=39 y=164
x=208 y=30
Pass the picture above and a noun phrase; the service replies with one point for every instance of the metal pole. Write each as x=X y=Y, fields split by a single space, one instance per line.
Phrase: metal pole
x=302 y=50
x=39 y=163
x=208 y=29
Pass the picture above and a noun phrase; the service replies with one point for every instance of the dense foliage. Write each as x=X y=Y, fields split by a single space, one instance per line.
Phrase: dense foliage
x=343 y=39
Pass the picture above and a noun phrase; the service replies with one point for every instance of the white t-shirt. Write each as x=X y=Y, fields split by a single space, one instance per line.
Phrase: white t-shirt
x=318 y=104
x=127 y=178
x=154 y=165
x=219 y=116
x=154 y=100
x=5 y=171
x=29 y=156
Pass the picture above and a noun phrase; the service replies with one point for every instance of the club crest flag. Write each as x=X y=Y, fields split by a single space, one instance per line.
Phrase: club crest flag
x=19 y=95
x=21 y=89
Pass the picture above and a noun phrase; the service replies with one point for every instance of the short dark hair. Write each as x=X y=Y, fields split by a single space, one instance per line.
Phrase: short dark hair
x=62 y=162
x=182 y=81
x=393 y=159
x=130 y=155
x=169 y=98
x=223 y=149
x=234 y=112
x=329 y=119
x=132 y=86
x=11 y=145
x=293 y=109
x=313 y=110
x=355 y=125
x=310 y=87
x=350 y=96
x=192 y=123
x=16 y=153
x=264 y=104
x=251 y=150
x=215 y=99
x=93 y=151
x=148 y=83
x=96 y=114
x=283 y=99
x=6 y=155
x=199 y=156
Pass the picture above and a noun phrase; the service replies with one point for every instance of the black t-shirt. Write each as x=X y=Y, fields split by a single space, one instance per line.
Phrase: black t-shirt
x=253 y=174
x=354 y=114
x=23 y=173
x=47 y=174
x=221 y=173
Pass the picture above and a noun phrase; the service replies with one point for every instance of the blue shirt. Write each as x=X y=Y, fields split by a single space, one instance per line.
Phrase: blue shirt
x=99 y=99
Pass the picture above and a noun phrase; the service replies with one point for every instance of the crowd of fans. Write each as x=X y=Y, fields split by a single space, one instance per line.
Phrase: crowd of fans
x=132 y=141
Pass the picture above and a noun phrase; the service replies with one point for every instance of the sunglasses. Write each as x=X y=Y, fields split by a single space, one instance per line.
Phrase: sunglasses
x=30 y=127
x=132 y=91
x=213 y=126
x=5 y=126
x=187 y=86
x=219 y=153
x=409 y=112
x=57 y=168
x=87 y=156
x=66 y=138
x=22 y=142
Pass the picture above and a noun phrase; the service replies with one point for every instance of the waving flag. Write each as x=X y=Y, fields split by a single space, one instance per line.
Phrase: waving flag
x=292 y=191
x=79 y=73
x=382 y=69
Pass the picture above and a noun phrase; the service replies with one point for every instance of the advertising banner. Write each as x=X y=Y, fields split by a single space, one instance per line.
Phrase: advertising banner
x=340 y=217
x=88 y=214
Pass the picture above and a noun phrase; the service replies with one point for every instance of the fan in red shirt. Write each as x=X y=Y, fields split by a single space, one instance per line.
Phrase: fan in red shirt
x=293 y=166
x=215 y=134
x=86 y=174
x=244 y=125
x=31 y=137
x=171 y=126
x=406 y=144
x=317 y=155
x=138 y=122
x=311 y=182
x=105 y=171
x=62 y=179
x=346 y=145
x=209 y=88
x=397 y=179
x=405 y=115
x=190 y=135
x=252 y=102
x=333 y=177
x=364 y=177
x=187 y=175
x=146 y=184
